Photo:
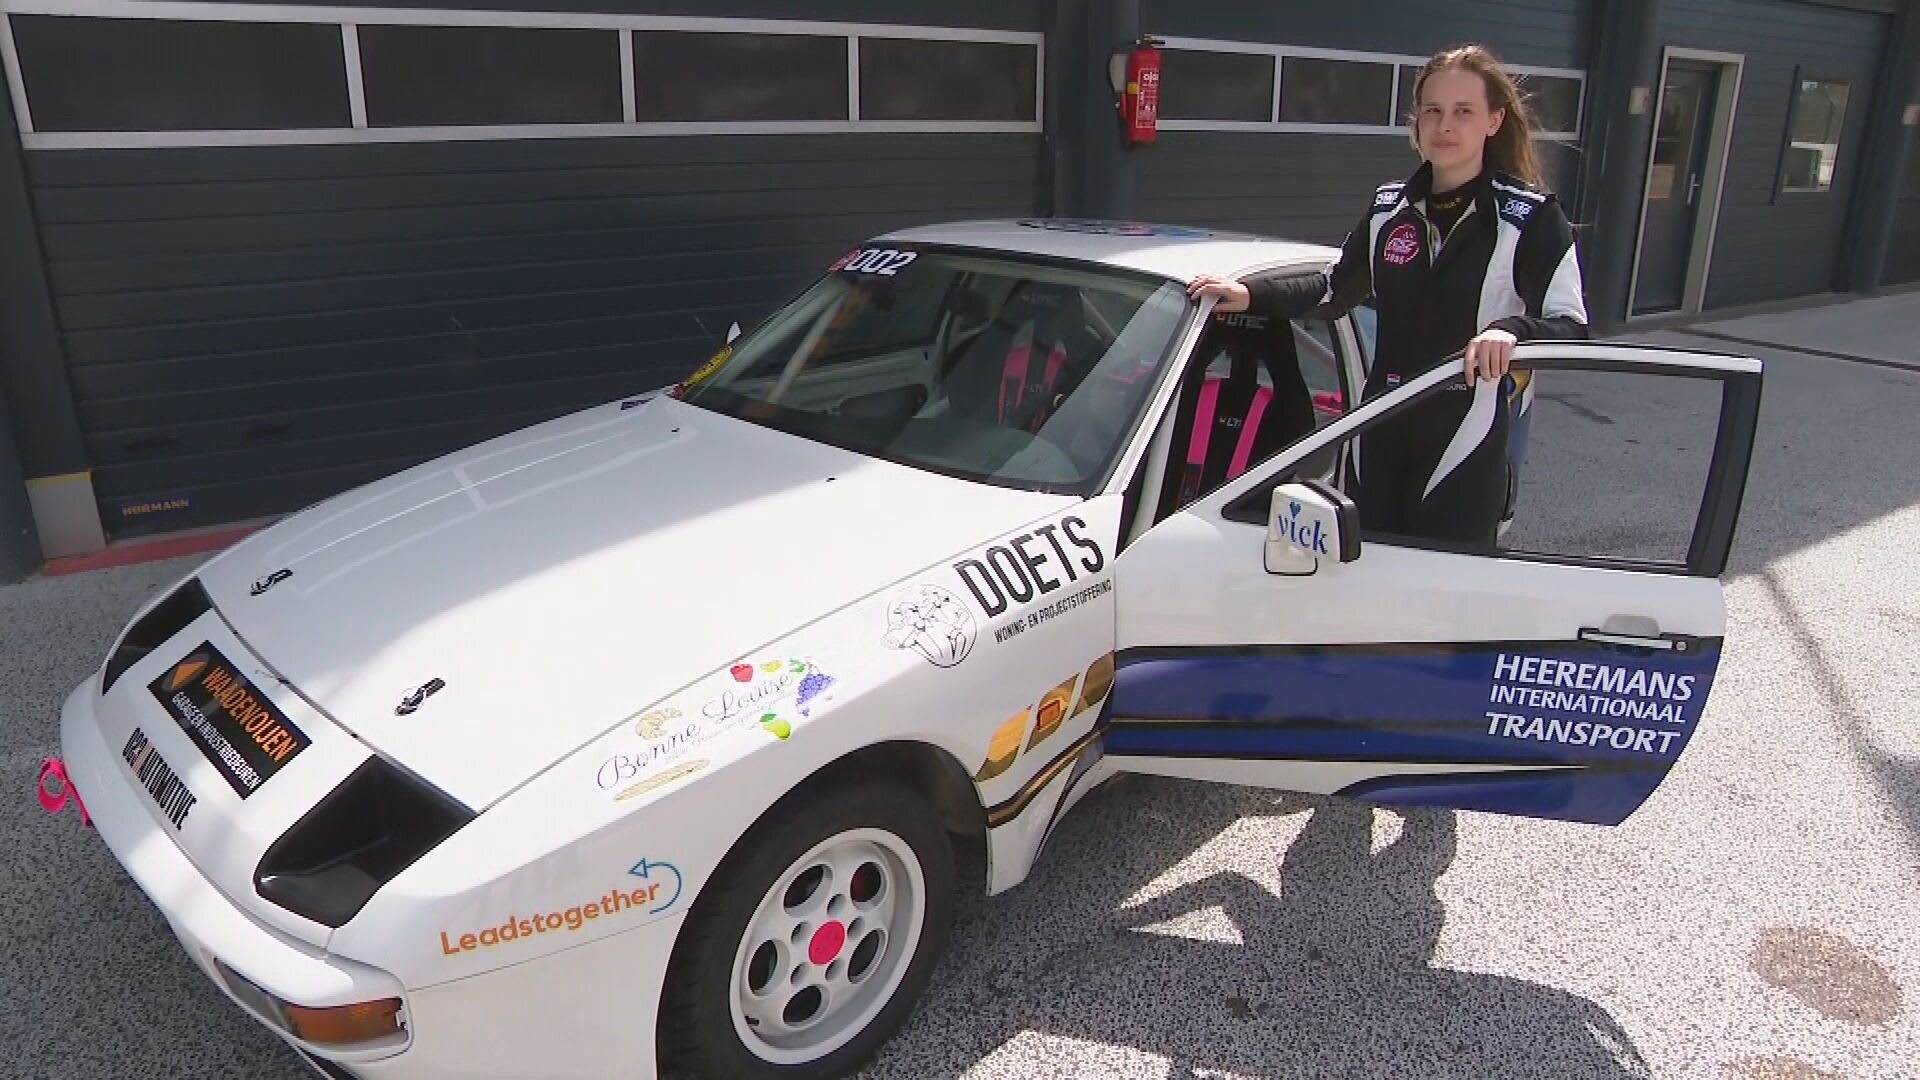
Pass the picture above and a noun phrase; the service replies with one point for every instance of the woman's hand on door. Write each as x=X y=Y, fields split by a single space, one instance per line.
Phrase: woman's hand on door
x=1231 y=295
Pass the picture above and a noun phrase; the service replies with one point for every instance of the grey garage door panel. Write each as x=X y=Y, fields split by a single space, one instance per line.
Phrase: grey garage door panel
x=657 y=340
x=96 y=204
x=238 y=316
x=121 y=419
x=312 y=438
x=268 y=270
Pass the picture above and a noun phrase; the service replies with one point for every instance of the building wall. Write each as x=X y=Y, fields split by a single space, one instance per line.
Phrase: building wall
x=1773 y=245
x=1313 y=185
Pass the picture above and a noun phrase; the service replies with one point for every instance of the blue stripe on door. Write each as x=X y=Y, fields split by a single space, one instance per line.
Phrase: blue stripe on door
x=1521 y=702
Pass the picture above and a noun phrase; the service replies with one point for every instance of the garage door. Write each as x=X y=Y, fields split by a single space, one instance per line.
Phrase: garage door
x=320 y=254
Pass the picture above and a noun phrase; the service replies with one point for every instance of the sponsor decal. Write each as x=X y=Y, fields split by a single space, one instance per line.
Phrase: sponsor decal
x=1403 y=244
x=774 y=695
x=1031 y=565
x=1114 y=228
x=933 y=622
x=1629 y=709
x=1312 y=541
x=704 y=371
x=655 y=783
x=1517 y=208
x=268 y=582
x=1386 y=196
x=242 y=733
x=165 y=787
x=652 y=725
x=884 y=262
x=1034 y=618
x=657 y=896
x=418 y=696
x=1241 y=319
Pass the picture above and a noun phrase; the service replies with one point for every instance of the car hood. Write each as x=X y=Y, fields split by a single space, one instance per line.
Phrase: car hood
x=547 y=584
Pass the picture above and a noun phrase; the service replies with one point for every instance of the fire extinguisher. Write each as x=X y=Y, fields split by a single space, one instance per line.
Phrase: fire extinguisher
x=1139 y=90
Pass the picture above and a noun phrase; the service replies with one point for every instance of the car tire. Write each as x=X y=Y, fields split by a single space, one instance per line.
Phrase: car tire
x=814 y=940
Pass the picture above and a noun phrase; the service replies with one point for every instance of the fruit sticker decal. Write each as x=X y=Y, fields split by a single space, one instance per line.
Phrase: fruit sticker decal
x=775 y=696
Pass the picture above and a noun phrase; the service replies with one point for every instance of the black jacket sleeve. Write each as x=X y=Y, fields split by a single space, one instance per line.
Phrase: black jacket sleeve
x=1336 y=290
x=1546 y=274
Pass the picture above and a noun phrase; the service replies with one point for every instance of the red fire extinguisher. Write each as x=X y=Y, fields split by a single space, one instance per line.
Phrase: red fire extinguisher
x=1140 y=92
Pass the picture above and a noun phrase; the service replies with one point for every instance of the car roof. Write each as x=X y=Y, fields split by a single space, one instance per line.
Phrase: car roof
x=1179 y=252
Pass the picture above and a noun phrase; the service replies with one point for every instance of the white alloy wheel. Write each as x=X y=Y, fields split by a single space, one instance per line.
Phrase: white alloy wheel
x=828 y=946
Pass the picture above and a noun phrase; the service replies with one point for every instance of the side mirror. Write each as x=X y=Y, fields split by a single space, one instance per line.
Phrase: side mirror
x=1308 y=523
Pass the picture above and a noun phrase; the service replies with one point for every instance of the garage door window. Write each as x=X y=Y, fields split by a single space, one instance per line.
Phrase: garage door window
x=687 y=76
x=84 y=74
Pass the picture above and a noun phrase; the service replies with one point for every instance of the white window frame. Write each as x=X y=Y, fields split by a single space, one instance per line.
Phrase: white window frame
x=1279 y=53
x=349 y=19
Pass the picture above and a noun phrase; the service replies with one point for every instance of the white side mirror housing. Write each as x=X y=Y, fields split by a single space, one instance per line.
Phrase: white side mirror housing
x=1309 y=523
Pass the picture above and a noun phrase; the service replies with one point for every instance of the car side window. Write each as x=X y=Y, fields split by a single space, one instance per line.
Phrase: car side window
x=1607 y=466
x=1249 y=391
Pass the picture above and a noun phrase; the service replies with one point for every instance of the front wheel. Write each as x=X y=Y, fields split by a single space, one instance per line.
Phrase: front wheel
x=814 y=940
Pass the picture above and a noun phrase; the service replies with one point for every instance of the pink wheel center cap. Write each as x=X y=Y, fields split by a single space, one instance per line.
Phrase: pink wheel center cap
x=826 y=944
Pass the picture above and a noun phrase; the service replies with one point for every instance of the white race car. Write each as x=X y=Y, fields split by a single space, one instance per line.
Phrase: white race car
x=662 y=735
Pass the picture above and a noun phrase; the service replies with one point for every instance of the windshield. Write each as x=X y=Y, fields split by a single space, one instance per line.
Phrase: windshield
x=1015 y=372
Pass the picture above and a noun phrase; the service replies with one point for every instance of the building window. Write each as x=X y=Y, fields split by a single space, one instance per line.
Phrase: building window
x=1317 y=91
x=1554 y=101
x=428 y=76
x=932 y=79
x=724 y=77
x=88 y=74
x=1814 y=121
x=1216 y=85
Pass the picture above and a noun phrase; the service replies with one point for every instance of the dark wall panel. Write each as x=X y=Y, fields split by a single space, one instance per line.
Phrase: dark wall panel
x=1550 y=33
x=1771 y=246
x=1296 y=186
x=255 y=328
x=1312 y=186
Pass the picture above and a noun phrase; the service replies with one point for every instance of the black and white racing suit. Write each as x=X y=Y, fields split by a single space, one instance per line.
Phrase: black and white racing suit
x=1439 y=469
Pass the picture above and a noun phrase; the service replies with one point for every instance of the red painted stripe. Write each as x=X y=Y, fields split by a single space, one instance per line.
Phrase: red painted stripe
x=149 y=550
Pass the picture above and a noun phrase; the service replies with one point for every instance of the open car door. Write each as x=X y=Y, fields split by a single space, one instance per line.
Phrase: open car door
x=1264 y=640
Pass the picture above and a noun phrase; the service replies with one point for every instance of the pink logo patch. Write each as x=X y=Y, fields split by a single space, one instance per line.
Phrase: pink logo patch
x=1402 y=244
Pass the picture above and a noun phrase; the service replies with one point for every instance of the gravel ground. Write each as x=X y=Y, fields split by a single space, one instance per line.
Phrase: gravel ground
x=1758 y=919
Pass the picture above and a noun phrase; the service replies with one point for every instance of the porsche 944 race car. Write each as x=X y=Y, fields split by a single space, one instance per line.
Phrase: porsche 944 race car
x=666 y=731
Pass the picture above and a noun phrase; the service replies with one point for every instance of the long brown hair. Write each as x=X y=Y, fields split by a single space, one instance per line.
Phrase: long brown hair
x=1509 y=150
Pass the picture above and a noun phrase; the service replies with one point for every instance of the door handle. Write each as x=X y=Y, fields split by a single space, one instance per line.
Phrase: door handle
x=1637 y=633
x=1693 y=187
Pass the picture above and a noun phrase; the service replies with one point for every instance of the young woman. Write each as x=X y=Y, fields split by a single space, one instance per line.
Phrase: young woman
x=1469 y=253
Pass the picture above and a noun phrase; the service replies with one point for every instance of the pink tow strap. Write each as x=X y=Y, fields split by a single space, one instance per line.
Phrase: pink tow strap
x=55 y=788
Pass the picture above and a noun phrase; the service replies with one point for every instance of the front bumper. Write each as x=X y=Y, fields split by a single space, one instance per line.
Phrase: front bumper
x=578 y=1013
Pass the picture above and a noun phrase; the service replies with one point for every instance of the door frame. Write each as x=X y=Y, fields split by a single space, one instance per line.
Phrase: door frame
x=1700 y=252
